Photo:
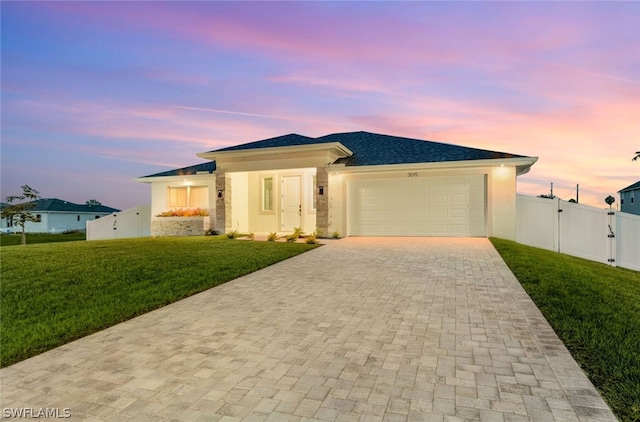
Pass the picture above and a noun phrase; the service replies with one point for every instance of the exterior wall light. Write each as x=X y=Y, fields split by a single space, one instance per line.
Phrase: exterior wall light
x=320 y=190
x=219 y=193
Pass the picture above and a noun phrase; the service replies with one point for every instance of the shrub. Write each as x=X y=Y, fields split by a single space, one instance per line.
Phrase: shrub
x=211 y=232
x=272 y=237
x=335 y=235
x=291 y=238
x=297 y=232
x=189 y=212
x=233 y=234
x=311 y=240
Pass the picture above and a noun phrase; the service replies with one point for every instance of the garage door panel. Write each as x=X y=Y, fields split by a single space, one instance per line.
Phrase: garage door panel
x=436 y=206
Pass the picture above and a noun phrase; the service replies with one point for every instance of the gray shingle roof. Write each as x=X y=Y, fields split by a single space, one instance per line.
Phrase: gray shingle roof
x=368 y=149
x=209 y=166
x=54 y=204
x=375 y=149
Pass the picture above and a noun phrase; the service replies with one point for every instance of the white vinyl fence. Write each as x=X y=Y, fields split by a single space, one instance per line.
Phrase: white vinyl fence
x=602 y=235
x=134 y=222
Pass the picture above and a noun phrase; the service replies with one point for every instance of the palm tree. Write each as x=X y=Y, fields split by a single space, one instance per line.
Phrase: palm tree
x=637 y=156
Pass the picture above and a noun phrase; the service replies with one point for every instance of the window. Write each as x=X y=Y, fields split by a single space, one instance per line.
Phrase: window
x=267 y=193
x=38 y=218
x=187 y=197
x=78 y=219
x=631 y=195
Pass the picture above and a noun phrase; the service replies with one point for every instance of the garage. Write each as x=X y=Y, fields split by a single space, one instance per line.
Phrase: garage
x=417 y=206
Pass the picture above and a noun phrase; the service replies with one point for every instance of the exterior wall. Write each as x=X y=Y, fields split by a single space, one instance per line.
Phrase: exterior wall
x=223 y=195
x=239 y=201
x=625 y=200
x=160 y=200
x=500 y=195
x=337 y=204
x=322 y=200
x=501 y=202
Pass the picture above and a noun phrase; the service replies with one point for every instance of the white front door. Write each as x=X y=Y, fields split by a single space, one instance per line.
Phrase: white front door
x=291 y=203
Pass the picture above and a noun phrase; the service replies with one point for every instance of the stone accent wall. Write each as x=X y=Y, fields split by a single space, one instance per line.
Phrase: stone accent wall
x=322 y=201
x=223 y=205
x=178 y=226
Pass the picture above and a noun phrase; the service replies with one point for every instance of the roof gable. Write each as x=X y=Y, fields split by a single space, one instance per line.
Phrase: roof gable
x=634 y=186
x=279 y=141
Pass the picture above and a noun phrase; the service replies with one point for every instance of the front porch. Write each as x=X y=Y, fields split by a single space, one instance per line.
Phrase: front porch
x=269 y=201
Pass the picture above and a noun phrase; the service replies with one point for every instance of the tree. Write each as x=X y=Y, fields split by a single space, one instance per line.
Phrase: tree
x=93 y=202
x=20 y=212
x=637 y=156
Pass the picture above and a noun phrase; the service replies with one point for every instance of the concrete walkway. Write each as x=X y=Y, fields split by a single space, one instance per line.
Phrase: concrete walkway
x=360 y=329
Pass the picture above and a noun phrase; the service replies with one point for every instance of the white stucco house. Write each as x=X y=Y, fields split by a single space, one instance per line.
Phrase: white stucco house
x=57 y=216
x=356 y=184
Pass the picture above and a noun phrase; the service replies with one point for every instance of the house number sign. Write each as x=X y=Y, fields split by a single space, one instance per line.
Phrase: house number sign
x=413 y=174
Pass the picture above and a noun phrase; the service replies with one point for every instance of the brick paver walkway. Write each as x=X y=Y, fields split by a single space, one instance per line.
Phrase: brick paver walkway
x=358 y=330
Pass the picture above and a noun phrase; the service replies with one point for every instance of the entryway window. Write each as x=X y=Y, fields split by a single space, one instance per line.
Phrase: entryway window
x=267 y=193
x=187 y=197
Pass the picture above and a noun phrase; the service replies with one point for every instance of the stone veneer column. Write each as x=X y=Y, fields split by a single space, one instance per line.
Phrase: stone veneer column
x=322 y=201
x=223 y=204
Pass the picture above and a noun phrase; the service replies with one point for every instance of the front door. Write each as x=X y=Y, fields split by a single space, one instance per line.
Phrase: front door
x=291 y=203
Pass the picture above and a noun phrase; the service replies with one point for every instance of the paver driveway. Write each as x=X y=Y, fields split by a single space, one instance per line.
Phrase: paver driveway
x=361 y=329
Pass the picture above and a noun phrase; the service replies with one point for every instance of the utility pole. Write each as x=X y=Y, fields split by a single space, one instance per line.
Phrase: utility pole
x=577 y=193
x=551 y=190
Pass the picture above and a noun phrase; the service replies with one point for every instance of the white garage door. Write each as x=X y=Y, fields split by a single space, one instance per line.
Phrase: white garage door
x=418 y=206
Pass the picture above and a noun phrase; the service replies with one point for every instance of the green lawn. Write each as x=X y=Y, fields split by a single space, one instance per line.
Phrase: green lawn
x=595 y=310
x=32 y=238
x=55 y=293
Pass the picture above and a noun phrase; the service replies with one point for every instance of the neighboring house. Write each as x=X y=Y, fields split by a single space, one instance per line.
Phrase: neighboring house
x=356 y=184
x=630 y=199
x=57 y=216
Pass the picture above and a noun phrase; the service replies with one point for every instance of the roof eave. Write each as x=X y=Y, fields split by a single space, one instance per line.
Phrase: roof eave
x=340 y=150
x=151 y=179
x=522 y=165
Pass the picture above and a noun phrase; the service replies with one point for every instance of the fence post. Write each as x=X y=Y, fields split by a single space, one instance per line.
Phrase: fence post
x=611 y=237
x=558 y=228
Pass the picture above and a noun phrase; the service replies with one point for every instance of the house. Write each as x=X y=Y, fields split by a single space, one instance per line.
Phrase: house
x=356 y=184
x=629 y=198
x=57 y=216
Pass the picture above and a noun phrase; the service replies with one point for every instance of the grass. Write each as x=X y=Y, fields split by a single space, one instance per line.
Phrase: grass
x=33 y=238
x=58 y=292
x=595 y=310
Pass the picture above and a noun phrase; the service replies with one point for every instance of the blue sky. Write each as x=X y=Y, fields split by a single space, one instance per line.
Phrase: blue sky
x=95 y=94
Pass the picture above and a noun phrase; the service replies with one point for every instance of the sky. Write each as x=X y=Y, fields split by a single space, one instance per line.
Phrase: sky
x=96 y=94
